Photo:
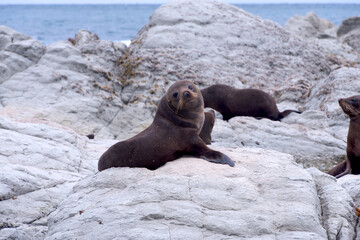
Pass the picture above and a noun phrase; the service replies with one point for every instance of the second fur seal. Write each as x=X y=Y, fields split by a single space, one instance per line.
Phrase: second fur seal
x=351 y=107
x=173 y=133
x=231 y=102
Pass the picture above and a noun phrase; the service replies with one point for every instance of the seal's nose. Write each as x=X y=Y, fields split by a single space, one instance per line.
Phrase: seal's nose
x=186 y=94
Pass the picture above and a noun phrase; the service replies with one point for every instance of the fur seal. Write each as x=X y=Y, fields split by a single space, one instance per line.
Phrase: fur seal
x=231 y=102
x=351 y=107
x=173 y=133
x=206 y=130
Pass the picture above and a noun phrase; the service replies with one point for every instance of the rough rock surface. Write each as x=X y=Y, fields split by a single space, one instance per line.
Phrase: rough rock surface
x=207 y=201
x=214 y=42
x=39 y=164
x=349 y=33
x=296 y=135
x=50 y=97
x=310 y=26
x=17 y=52
x=348 y=25
x=83 y=73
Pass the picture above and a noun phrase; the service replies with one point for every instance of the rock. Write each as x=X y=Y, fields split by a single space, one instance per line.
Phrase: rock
x=210 y=42
x=297 y=134
x=74 y=86
x=348 y=25
x=322 y=33
x=338 y=54
x=39 y=164
x=335 y=201
x=17 y=52
x=311 y=26
x=351 y=183
x=205 y=200
x=324 y=96
x=353 y=39
x=349 y=33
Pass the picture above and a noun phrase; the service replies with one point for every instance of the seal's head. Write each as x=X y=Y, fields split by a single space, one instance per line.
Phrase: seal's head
x=184 y=96
x=351 y=106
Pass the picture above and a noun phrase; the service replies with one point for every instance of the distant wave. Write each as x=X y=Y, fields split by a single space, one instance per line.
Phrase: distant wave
x=126 y=42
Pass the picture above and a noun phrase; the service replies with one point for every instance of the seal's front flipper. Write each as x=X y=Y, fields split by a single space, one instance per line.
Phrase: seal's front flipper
x=200 y=150
x=218 y=157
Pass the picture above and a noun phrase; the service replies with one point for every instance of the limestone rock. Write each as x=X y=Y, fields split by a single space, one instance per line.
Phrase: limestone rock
x=76 y=86
x=351 y=183
x=348 y=25
x=39 y=164
x=210 y=42
x=341 y=83
x=306 y=136
x=353 y=39
x=311 y=26
x=349 y=33
x=322 y=34
x=335 y=200
x=201 y=200
x=17 y=52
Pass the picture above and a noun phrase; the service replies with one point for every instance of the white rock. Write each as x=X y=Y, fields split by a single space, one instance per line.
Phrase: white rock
x=306 y=136
x=260 y=198
x=39 y=164
x=310 y=26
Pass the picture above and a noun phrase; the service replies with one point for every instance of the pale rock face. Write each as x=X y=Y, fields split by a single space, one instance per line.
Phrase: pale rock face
x=351 y=183
x=210 y=42
x=341 y=83
x=39 y=164
x=348 y=25
x=334 y=42
x=306 y=136
x=311 y=26
x=349 y=33
x=74 y=86
x=203 y=200
x=17 y=52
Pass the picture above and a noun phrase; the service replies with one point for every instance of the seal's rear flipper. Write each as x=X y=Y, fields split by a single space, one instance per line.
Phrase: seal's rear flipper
x=220 y=158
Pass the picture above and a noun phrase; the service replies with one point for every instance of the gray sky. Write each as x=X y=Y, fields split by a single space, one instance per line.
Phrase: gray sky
x=163 y=1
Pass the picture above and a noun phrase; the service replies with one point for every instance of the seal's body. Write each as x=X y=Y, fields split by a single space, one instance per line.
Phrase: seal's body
x=173 y=133
x=231 y=102
x=351 y=107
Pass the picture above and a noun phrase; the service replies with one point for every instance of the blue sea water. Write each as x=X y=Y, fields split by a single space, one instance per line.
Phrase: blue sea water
x=51 y=23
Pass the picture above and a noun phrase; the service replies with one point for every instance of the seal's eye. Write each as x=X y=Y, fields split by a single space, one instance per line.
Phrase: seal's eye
x=191 y=87
x=175 y=94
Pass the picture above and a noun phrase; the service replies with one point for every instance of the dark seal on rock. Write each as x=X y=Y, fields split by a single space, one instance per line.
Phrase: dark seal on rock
x=206 y=130
x=173 y=133
x=231 y=102
x=351 y=107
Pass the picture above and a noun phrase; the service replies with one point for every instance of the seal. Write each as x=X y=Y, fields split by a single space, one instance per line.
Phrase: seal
x=351 y=107
x=173 y=133
x=206 y=130
x=231 y=102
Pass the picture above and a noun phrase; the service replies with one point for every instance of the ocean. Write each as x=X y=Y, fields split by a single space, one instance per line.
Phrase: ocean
x=52 y=23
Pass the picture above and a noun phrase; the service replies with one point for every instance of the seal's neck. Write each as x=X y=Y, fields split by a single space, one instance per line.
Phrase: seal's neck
x=183 y=117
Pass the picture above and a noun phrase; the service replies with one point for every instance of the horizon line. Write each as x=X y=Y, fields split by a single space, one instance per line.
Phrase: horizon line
x=248 y=3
